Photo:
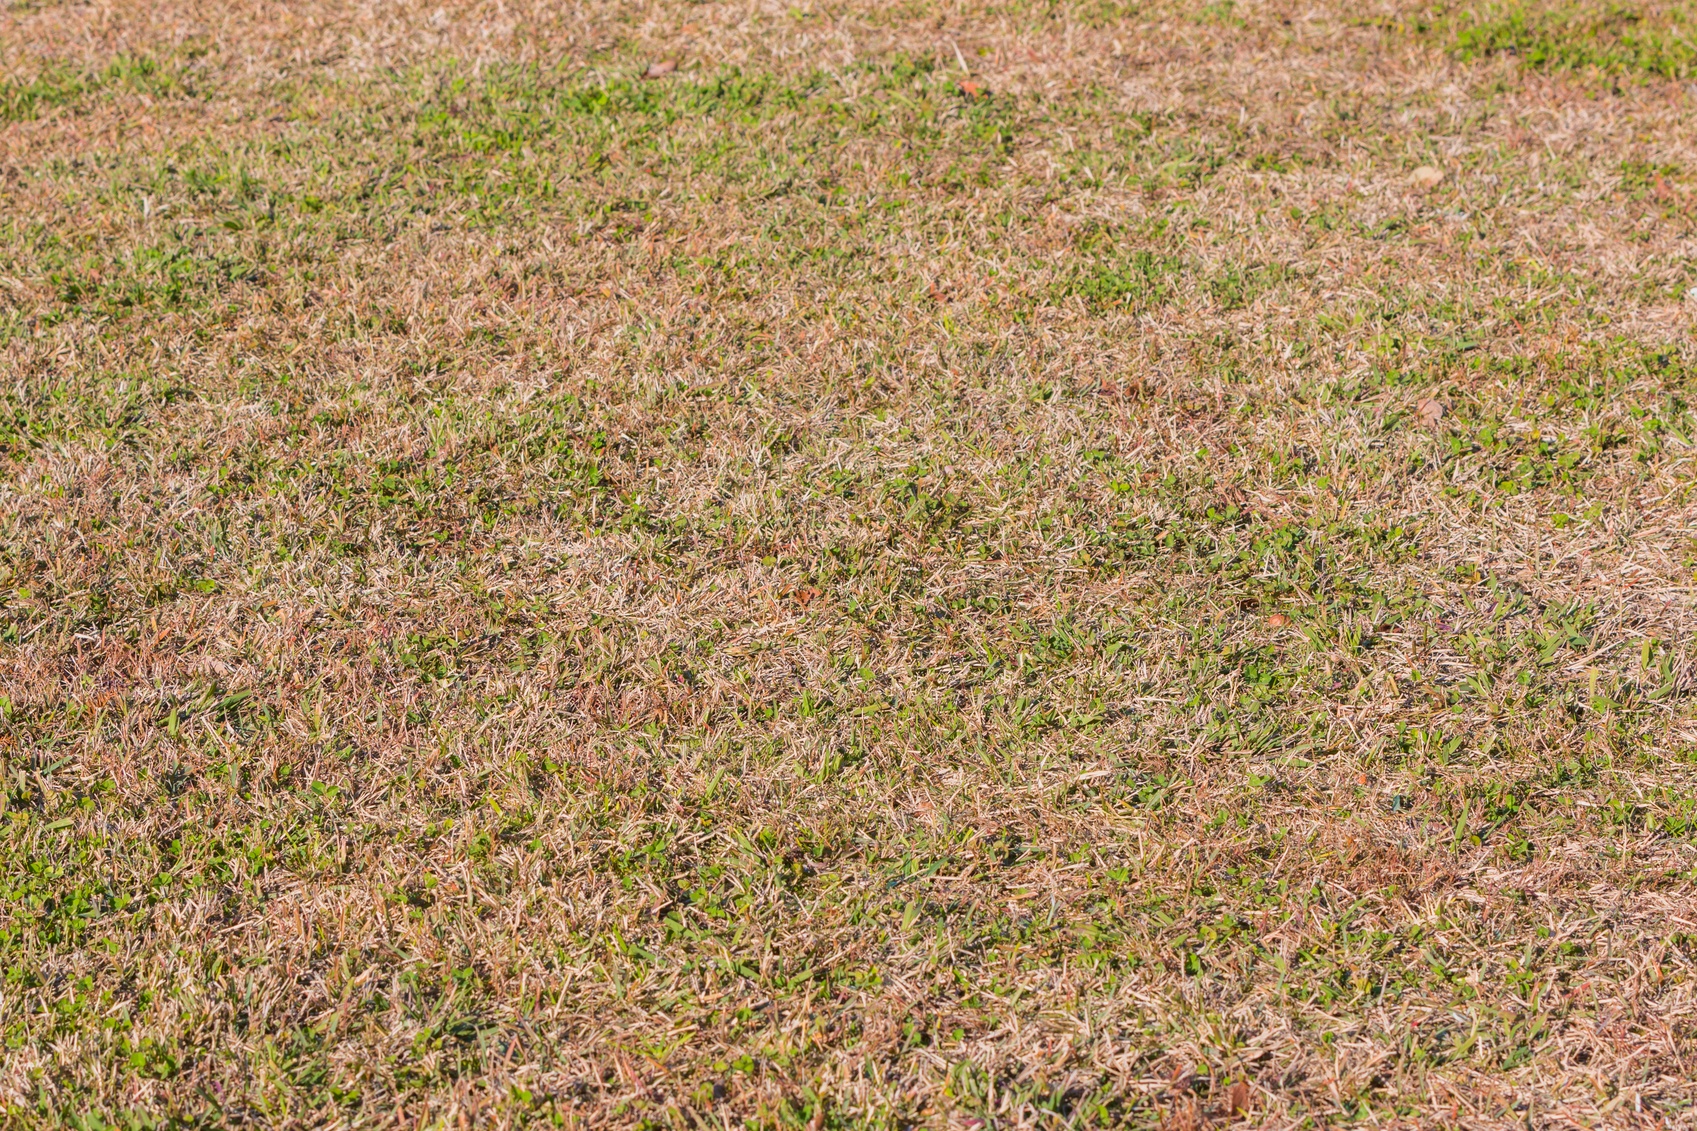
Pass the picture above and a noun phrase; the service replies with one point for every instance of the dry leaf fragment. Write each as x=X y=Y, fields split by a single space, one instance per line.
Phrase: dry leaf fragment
x=661 y=69
x=1237 y=1098
x=1429 y=411
x=1426 y=177
x=973 y=89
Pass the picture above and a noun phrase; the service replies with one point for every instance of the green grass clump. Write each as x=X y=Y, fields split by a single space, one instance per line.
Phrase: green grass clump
x=1611 y=38
x=22 y=100
x=1139 y=279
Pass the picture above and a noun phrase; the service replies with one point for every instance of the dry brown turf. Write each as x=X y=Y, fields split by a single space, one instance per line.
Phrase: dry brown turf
x=948 y=564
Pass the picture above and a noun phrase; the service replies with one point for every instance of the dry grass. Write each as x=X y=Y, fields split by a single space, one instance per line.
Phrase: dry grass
x=818 y=590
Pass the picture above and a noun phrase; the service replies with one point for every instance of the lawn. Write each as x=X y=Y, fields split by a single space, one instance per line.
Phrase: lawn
x=969 y=564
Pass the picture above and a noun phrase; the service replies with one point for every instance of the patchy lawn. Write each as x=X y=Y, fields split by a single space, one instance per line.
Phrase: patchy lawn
x=980 y=564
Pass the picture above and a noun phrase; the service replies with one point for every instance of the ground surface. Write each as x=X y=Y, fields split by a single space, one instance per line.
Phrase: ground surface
x=951 y=564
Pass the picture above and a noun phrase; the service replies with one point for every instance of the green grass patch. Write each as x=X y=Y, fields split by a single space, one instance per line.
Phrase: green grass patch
x=1616 y=39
